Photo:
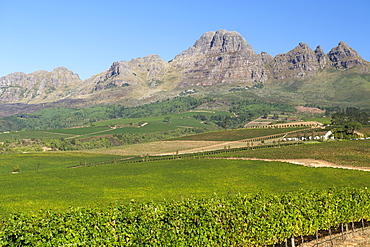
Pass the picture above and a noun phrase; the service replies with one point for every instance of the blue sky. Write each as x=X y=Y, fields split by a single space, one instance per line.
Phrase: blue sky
x=88 y=36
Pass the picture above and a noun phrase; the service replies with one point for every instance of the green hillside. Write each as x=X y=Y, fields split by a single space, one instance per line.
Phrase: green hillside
x=122 y=126
x=328 y=88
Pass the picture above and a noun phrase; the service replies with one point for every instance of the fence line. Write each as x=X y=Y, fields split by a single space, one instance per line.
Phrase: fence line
x=341 y=236
x=139 y=159
x=327 y=237
x=147 y=158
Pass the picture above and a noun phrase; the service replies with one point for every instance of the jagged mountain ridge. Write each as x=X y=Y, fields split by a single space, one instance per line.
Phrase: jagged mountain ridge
x=38 y=86
x=221 y=57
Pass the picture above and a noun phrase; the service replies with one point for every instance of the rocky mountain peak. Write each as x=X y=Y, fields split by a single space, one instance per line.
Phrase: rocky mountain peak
x=151 y=67
x=216 y=57
x=297 y=63
x=61 y=69
x=322 y=58
x=38 y=86
x=343 y=56
x=229 y=41
x=117 y=68
x=266 y=58
x=218 y=42
x=304 y=46
x=220 y=57
x=139 y=72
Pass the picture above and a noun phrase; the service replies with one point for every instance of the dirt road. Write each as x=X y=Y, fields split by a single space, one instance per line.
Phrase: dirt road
x=309 y=163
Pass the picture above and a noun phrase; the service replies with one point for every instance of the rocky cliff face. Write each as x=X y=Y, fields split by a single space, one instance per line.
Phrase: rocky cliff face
x=297 y=63
x=322 y=58
x=344 y=56
x=140 y=70
x=139 y=76
x=219 y=57
x=39 y=86
x=302 y=61
x=222 y=57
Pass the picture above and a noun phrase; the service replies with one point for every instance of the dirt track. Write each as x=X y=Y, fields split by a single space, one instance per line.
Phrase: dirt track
x=309 y=163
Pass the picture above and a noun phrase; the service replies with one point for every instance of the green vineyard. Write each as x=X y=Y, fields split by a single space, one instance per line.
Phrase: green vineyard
x=239 y=220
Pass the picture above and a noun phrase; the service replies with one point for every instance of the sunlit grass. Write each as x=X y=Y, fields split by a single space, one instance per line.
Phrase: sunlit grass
x=41 y=161
x=350 y=153
x=159 y=180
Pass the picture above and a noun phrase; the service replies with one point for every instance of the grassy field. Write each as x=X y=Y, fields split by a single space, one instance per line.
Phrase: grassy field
x=365 y=130
x=45 y=181
x=48 y=161
x=235 y=135
x=320 y=120
x=194 y=143
x=78 y=131
x=346 y=153
x=32 y=134
x=159 y=180
x=157 y=124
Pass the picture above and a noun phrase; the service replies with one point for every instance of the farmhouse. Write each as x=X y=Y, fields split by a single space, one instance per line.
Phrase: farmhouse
x=327 y=135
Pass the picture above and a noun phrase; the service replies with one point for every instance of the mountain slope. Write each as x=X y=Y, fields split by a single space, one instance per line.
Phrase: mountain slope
x=218 y=61
x=39 y=86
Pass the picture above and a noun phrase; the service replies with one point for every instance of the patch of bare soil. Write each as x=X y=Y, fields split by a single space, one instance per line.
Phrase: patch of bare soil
x=309 y=109
x=306 y=162
x=257 y=122
x=320 y=163
x=156 y=148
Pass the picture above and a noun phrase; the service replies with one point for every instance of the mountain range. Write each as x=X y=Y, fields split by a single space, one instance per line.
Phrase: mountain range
x=222 y=60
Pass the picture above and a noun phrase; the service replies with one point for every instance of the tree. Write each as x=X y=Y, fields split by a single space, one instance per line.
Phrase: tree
x=351 y=127
x=16 y=169
x=225 y=124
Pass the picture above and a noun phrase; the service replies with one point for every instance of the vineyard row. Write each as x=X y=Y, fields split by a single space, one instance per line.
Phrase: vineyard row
x=240 y=220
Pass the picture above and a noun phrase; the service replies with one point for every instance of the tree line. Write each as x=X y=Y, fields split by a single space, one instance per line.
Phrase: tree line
x=347 y=121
